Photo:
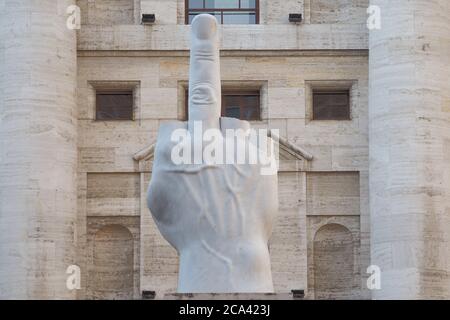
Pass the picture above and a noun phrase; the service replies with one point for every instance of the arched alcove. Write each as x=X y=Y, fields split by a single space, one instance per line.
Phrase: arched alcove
x=333 y=255
x=112 y=274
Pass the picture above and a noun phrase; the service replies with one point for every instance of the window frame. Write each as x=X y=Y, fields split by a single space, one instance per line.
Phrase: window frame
x=117 y=92
x=221 y=10
x=345 y=92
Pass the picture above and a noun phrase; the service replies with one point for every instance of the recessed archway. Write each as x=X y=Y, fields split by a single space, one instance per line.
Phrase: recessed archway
x=113 y=260
x=333 y=252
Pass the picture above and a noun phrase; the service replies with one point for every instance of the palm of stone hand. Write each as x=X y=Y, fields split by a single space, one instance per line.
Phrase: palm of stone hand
x=218 y=217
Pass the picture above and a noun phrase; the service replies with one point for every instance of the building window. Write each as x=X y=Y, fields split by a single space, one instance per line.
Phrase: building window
x=114 y=105
x=225 y=11
x=331 y=105
x=243 y=105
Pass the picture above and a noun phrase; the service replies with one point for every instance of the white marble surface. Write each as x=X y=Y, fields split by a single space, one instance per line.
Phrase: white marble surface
x=218 y=217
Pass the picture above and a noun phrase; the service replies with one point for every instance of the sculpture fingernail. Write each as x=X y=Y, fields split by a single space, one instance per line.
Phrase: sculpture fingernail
x=204 y=26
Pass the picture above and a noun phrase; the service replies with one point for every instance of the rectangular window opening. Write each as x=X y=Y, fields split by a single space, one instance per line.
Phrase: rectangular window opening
x=225 y=11
x=114 y=105
x=331 y=104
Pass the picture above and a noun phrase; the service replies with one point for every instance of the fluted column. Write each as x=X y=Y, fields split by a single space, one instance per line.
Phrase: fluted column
x=37 y=149
x=409 y=116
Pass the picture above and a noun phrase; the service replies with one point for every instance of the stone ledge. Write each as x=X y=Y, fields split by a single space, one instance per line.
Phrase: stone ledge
x=233 y=37
x=232 y=296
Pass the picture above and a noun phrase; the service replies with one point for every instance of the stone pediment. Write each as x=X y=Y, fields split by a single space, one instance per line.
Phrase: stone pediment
x=291 y=156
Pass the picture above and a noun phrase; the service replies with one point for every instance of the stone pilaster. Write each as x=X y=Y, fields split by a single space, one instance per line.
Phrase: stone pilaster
x=37 y=149
x=409 y=116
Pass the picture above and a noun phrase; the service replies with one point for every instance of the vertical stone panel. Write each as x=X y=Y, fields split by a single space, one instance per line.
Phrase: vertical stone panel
x=338 y=11
x=159 y=262
x=113 y=194
x=288 y=242
x=409 y=126
x=107 y=12
x=333 y=193
x=37 y=149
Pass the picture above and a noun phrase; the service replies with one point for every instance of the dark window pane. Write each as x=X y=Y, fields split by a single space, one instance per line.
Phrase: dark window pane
x=233 y=112
x=231 y=101
x=244 y=106
x=250 y=114
x=331 y=105
x=248 y=4
x=250 y=101
x=231 y=106
x=222 y=4
x=239 y=18
x=195 y=4
x=250 y=107
x=114 y=105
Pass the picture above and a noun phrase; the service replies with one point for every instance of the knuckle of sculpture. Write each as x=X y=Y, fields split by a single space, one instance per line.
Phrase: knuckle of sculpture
x=204 y=51
x=205 y=57
x=203 y=94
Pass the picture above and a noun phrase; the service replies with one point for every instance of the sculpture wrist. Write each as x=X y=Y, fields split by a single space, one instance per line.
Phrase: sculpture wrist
x=239 y=266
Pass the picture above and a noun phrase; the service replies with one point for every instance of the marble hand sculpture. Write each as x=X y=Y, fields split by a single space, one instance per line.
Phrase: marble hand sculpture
x=218 y=217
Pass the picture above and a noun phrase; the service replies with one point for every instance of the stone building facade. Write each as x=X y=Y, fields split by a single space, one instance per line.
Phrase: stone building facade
x=72 y=187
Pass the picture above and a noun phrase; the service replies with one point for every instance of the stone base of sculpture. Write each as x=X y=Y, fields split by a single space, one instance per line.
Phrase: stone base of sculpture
x=232 y=296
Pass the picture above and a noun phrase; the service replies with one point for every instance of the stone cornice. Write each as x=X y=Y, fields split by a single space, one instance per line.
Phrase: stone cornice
x=233 y=37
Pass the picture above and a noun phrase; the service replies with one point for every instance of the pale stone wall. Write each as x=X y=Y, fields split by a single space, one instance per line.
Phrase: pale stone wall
x=409 y=135
x=109 y=146
x=286 y=61
x=338 y=11
x=114 y=194
x=324 y=203
x=253 y=37
x=333 y=193
x=37 y=149
x=166 y=11
x=285 y=79
x=159 y=260
x=277 y=11
x=109 y=12
x=288 y=243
